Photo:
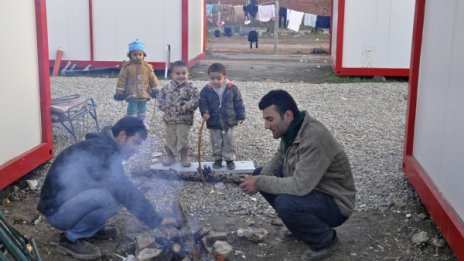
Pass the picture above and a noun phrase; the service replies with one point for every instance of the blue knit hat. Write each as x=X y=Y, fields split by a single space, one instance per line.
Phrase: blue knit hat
x=136 y=46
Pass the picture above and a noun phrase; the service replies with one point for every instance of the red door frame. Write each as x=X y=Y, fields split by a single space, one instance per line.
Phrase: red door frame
x=449 y=222
x=338 y=68
x=29 y=160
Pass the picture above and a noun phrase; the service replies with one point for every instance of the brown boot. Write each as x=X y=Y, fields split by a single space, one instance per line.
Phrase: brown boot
x=184 y=157
x=169 y=158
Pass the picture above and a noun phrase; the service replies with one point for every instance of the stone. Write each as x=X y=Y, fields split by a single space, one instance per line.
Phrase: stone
x=223 y=249
x=149 y=254
x=144 y=241
x=252 y=234
x=437 y=242
x=32 y=183
x=215 y=236
x=420 y=238
x=421 y=216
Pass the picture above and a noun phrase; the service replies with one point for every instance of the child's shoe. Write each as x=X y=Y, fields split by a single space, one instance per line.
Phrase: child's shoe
x=230 y=164
x=169 y=159
x=217 y=164
x=184 y=157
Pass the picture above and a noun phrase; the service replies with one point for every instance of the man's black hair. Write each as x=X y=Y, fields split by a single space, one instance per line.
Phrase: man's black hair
x=217 y=67
x=131 y=126
x=281 y=99
x=177 y=64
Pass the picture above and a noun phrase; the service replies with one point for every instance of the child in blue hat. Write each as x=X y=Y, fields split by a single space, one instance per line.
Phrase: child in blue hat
x=137 y=82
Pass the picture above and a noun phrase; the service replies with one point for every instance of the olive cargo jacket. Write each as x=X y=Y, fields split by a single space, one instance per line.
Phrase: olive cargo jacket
x=315 y=160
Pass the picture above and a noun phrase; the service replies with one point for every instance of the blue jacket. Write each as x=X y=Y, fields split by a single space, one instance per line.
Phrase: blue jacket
x=90 y=164
x=231 y=111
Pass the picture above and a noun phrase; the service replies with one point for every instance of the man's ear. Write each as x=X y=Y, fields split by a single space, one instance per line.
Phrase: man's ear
x=121 y=138
x=289 y=115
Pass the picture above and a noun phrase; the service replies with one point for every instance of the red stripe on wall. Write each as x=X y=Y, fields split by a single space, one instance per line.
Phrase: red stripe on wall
x=185 y=31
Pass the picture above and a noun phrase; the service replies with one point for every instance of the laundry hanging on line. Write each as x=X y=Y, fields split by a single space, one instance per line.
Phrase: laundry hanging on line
x=294 y=19
x=310 y=20
x=265 y=13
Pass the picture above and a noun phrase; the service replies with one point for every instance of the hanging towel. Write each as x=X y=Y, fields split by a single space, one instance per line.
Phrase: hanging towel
x=309 y=20
x=294 y=19
x=265 y=13
x=239 y=14
x=209 y=9
x=251 y=10
x=323 y=21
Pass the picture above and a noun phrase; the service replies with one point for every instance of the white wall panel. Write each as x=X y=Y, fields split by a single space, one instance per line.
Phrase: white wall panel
x=439 y=129
x=173 y=28
x=196 y=15
x=377 y=33
x=334 y=30
x=68 y=29
x=19 y=80
x=157 y=23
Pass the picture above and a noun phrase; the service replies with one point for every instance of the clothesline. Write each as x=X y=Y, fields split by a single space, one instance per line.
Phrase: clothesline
x=292 y=19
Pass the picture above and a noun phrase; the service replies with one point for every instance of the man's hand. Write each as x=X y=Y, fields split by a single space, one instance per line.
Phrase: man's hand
x=248 y=184
x=206 y=116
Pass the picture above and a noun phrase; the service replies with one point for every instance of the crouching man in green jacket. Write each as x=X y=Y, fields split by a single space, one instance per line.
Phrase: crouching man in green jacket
x=308 y=181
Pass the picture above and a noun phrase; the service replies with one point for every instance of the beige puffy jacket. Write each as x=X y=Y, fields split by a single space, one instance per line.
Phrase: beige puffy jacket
x=137 y=81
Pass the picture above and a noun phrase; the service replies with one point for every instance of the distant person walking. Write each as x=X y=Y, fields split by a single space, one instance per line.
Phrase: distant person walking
x=137 y=82
x=253 y=38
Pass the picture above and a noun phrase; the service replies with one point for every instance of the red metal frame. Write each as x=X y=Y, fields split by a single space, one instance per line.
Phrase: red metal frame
x=443 y=214
x=185 y=31
x=91 y=30
x=356 y=71
x=29 y=160
x=205 y=27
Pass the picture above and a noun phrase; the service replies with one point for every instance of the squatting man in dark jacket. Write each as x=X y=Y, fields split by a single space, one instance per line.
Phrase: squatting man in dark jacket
x=308 y=181
x=86 y=185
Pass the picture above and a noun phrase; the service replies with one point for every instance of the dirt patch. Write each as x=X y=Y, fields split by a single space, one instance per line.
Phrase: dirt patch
x=292 y=62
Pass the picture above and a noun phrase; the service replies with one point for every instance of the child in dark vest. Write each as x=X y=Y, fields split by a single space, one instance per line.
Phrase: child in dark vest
x=221 y=106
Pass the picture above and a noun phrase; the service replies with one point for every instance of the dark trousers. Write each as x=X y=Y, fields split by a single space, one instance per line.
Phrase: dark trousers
x=310 y=218
x=283 y=17
x=251 y=44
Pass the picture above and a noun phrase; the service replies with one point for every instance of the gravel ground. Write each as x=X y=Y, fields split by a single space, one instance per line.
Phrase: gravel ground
x=367 y=118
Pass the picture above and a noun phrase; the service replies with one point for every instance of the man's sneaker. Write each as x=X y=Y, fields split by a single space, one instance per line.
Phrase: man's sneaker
x=217 y=164
x=311 y=255
x=230 y=164
x=80 y=249
x=108 y=232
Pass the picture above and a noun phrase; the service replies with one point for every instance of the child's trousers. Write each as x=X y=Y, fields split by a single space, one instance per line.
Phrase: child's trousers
x=136 y=107
x=177 y=137
x=223 y=144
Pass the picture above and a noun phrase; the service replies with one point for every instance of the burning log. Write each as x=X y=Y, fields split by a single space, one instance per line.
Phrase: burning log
x=173 y=242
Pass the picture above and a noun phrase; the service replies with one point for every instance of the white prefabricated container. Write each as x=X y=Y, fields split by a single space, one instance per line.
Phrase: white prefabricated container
x=26 y=133
x=97 y=32
x=371 y=37
x=434 y=158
